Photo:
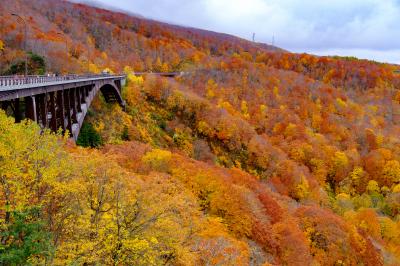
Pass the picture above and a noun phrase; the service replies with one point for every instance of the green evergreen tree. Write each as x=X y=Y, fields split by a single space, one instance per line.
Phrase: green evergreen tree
x=24 y=240
x=125 y=134
x=89 y=137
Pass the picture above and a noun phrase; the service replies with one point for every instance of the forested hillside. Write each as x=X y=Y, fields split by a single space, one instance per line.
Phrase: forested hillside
x=255 y=156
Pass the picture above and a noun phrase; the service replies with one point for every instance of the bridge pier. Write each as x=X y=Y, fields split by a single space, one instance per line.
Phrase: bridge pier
x=17 y=110
x=13 y=106
x=74 y=108
x=78 y=99
x=53 y=119
x=42 y=110
x=60 y=114
x=30 y=108
x=67 y=105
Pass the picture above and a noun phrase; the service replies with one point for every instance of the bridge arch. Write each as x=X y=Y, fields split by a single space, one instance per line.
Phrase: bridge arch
x=111 y=91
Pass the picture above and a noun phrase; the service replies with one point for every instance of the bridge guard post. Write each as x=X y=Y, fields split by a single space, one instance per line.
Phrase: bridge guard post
x=53 y=121
x=30 y=108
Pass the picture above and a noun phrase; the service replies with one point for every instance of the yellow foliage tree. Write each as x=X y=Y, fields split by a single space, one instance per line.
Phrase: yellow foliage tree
x=32 y=166
x=122 y=219
x=245 y=109
x=391 y=172
x=158 y=160
x=373 y=186
x=396 y=189
x=211 y=88
x=1 y=46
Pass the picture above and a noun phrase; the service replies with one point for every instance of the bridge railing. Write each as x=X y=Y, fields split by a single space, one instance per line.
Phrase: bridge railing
x=22 y=80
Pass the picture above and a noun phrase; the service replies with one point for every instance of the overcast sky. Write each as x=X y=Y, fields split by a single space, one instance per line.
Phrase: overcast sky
x=363 y=28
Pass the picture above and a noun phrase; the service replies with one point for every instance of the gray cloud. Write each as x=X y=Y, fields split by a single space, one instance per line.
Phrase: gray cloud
x=368 y=28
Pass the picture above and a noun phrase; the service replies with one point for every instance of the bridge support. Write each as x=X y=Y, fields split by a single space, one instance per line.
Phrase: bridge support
x=53 y=113
x=17 y=110
x=60 y=111
x=30 y=108
x=42 y=110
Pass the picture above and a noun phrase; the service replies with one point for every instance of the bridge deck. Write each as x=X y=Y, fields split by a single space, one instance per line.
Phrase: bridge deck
x=54 y=83
x=12 y=83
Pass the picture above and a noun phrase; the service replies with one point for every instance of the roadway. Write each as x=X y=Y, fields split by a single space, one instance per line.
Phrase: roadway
x=62 y=81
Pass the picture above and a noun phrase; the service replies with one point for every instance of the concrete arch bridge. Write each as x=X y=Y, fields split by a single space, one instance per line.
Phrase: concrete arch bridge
x=57 y=101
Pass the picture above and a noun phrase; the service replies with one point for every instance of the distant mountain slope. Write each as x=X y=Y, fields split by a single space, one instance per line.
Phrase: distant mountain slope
x=123 y=38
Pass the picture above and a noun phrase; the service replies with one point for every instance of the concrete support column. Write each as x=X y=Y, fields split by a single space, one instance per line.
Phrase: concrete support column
x=61 y=110
x=78 y=100
x=53 y=120
x=42 y=106
x=67 y=105
x=83 y=94
x=72 y=100
x=30 y=108
x=17 y=110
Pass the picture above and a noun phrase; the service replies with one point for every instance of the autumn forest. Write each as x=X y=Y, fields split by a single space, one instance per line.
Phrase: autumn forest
x=254 y=156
